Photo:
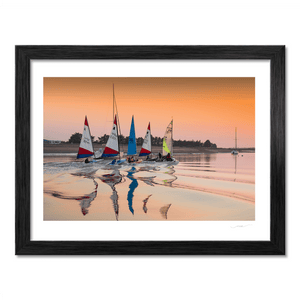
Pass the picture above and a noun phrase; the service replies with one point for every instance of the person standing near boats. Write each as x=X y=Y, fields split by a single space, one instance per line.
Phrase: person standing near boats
x=169 y=158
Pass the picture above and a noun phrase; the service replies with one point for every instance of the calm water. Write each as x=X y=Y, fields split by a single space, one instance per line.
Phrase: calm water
x=201 y=187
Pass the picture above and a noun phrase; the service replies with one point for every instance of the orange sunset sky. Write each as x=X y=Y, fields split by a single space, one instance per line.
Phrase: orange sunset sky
x=202 y=108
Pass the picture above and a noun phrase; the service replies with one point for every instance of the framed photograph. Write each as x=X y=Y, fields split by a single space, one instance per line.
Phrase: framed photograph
x=150 y=150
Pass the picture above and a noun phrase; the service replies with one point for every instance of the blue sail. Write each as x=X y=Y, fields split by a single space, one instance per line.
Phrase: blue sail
x=132 y=141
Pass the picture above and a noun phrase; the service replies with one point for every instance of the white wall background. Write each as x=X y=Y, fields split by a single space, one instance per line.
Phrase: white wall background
x=187 y=22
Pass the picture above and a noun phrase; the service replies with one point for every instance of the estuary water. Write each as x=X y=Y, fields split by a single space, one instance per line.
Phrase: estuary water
x=213 y=187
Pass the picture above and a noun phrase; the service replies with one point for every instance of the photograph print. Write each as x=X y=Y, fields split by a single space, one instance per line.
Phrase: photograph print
x=149 y=149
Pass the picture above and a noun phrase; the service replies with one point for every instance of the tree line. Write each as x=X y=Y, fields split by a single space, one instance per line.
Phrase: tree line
x=75 y=138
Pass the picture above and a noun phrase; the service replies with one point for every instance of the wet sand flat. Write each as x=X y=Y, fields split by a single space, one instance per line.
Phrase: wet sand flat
x=201 y=187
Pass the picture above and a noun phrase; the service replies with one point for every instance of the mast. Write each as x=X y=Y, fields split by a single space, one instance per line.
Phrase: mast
x=172 y=138
x=118 y=121
x=113 y=103
x=91 y=138
x=118 y=139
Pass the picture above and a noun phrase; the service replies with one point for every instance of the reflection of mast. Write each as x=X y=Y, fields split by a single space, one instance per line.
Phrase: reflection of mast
x=164 y=210
x=145 y=202
x=235 y=164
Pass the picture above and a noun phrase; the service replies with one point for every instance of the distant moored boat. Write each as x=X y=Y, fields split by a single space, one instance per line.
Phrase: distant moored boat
x=235 y=152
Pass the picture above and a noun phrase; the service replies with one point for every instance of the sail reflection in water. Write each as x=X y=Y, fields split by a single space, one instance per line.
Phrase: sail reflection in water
x=133 y=185
x=145 y=209
x=85 y=201
x=164 y=210
x=111 y=180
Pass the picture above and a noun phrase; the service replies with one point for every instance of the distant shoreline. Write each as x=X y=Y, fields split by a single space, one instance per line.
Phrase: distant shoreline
x=73 y=148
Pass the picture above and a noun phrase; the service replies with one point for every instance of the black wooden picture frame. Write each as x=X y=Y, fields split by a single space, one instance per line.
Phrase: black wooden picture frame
x=23 y=244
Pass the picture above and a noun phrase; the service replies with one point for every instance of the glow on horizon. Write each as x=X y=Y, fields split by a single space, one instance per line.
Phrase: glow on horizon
x=202 y=108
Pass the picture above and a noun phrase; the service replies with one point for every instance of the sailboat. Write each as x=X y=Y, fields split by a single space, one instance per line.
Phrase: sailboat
x=132 y=145
x=168 y=140
x=86 y=145
x=168 y=145
x=146 y=148
x=112 y=146
x=235 y=152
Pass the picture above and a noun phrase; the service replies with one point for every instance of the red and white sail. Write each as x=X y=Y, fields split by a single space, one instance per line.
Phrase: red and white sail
x=86 y=146
x=112 y=146
x=146 y=148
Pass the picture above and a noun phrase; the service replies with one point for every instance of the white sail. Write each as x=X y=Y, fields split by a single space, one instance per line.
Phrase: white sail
x=146 y=148
x=167 y=140
x=112 y=145
x=86 y=145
